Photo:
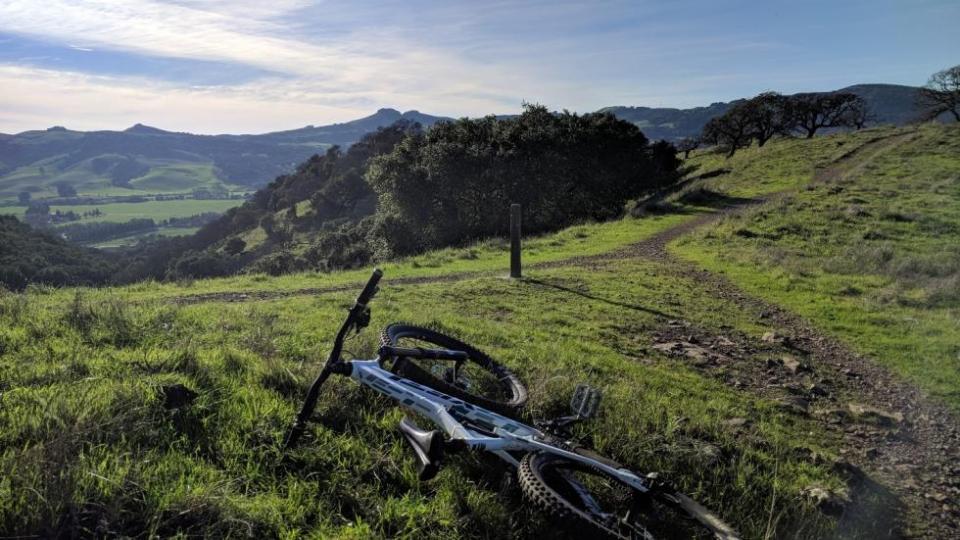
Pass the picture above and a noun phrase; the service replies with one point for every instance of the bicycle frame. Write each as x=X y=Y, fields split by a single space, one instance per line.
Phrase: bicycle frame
x=502 y=435
x=463 y=423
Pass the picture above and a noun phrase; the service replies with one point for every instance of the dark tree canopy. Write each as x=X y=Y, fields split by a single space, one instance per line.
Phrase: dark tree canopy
x=812 y=112
x=687 y=145
x=456 y=182
x=731 y=131
x=767 y=115
x=29 y=256
x=942 y=94
x=66 y=190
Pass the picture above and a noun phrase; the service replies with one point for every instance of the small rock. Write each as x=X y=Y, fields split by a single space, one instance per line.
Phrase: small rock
x=723 y=342
x=829 y=502
x=794 y=365
x=737 y=422
x=794 y=388
x=874 y=415
x=849 y=373
x=795 y=404
x=764 y=314
x=708 y=454
x=939 y=497
x=773 y=337
x=815 y=389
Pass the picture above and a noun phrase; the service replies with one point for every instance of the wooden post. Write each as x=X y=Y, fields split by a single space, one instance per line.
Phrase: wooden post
x=515 y=240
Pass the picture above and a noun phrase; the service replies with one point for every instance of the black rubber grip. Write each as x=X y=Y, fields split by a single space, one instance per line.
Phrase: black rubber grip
x=417 y=352
x=371 y=287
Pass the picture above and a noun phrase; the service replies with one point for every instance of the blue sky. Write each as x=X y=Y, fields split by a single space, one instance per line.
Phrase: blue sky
x=215 y=66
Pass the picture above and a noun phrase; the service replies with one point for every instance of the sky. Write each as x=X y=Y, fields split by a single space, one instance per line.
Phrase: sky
x=252 y=66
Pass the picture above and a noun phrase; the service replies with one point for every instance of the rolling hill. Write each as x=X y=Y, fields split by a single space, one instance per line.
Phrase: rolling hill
x=144 y=160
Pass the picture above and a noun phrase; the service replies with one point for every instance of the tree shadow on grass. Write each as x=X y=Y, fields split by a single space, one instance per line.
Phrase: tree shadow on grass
x=587 y=295
x=713 y=199
x=875 y=511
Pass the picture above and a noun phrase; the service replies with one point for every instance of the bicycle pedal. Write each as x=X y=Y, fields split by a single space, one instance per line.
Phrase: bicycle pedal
x=585 y=401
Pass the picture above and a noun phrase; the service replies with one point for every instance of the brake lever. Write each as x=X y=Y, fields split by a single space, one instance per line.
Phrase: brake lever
x=362 y=320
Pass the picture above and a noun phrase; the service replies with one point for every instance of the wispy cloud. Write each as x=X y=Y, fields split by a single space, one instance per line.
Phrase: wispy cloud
x=245 y=65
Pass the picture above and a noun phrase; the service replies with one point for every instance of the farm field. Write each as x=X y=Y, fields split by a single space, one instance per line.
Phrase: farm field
x=688 y=335
x=156 y=176
x=133 y=239
x=156 y=210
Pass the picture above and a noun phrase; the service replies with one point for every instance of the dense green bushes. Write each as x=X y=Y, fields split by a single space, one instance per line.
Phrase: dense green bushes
x=455 y=183
x=29 y=256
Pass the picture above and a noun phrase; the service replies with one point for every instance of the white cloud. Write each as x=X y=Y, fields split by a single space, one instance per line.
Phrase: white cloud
x=324 y=81
x=337 y=62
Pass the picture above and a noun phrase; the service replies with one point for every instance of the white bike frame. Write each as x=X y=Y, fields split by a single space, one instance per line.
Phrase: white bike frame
x=485 y=430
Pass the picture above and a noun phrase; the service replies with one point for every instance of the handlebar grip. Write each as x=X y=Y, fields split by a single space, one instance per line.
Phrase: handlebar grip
x=370 y=289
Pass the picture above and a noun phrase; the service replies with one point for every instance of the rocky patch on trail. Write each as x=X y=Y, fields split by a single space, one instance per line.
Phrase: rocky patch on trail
x=885 y=442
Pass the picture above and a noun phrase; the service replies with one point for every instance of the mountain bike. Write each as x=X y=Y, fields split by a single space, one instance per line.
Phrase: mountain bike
x=475 y=403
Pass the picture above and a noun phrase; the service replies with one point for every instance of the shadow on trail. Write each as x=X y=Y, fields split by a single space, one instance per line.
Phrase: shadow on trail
x=714 y=199
x=876 y=512
x=589 y=296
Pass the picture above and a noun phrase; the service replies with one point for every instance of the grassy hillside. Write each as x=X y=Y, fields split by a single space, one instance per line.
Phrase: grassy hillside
x=869 y=251
x=90 y=440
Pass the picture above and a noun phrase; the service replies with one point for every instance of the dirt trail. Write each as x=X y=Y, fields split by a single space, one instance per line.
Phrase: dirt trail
x=894 y=438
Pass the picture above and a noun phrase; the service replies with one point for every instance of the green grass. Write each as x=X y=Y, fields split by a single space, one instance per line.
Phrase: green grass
x=178 y=177
x=163 y=177
x=82 y=389
x=781 y=164
x=87 y=446
x=132 y=240
x=871 y=254
x=486 y=257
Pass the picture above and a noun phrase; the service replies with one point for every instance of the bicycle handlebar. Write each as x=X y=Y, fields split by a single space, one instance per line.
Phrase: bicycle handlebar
x=370 y=289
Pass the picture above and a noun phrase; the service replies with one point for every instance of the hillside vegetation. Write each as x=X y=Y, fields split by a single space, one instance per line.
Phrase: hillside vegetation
x=158 y=408
x=870 y=250
x=401 y=191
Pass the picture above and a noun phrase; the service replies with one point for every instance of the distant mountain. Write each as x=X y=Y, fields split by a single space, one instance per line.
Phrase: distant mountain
x=667 y=123
x=889 y=103
x=146 y=160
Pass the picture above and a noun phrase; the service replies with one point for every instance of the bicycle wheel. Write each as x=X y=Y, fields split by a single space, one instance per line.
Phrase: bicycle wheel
x=593 y=503
x=480 y=380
